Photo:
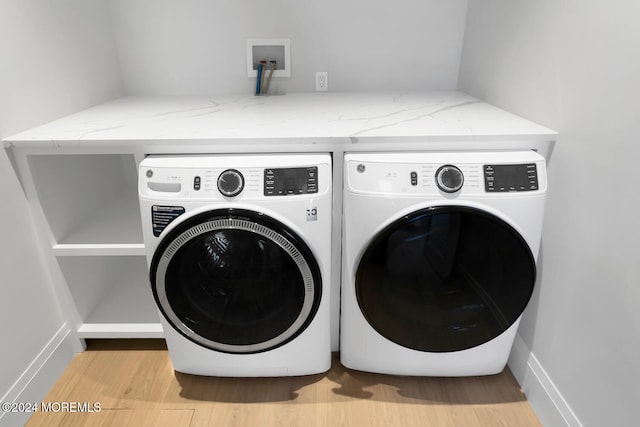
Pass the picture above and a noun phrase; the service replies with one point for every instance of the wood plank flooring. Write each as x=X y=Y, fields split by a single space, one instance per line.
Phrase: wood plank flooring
x=135 y=385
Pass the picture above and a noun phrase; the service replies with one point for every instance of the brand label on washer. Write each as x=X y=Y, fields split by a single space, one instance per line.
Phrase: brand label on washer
x=162 y=216
x=312 y=213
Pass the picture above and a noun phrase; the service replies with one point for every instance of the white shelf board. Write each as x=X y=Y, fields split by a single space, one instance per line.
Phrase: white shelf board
x=121 y=330
x=133 y=249
x=115 y=223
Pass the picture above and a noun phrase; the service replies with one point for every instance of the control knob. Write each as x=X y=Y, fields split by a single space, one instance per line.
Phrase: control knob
x=449 y=178
x=230 y=183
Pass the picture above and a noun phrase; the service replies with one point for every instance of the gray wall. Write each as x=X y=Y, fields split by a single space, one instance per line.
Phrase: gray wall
x=57 y=58
x=574 y=67
x=199 y=46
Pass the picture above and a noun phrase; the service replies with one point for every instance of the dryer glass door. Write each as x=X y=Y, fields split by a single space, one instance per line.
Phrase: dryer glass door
x=236 y=281
x=445 y=279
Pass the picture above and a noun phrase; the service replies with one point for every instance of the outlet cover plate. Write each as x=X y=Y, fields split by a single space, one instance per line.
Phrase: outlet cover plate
x=322 y=81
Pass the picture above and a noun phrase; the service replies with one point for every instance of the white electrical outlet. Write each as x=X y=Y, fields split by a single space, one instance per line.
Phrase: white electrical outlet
x=322 y=81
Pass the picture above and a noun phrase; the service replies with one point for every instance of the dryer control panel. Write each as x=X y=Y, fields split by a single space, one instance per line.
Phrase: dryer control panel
x=446 y=174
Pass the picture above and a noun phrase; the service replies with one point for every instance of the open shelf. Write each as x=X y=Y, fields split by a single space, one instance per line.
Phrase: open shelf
x=90 y=202
x=113 y=229
x=112 y=296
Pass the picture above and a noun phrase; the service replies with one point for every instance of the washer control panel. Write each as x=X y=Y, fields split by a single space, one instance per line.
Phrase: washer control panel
x=515 y=177
x=290 y=181
x=234 y=178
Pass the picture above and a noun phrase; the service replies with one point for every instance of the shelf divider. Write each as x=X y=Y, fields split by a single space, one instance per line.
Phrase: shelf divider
x=121 y=330
x=106 y=249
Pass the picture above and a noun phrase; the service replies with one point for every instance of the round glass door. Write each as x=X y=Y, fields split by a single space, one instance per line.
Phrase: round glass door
x=236 y=281
x=445 y=279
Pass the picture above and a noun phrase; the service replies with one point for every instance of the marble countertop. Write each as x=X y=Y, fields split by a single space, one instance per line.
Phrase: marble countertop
x=357 y=116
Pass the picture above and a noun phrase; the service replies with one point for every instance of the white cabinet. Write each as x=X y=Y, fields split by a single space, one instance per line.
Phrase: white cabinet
x=90 y=220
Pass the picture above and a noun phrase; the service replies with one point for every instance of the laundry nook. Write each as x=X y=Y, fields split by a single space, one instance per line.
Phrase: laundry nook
x=314 y=214
x=237 y=239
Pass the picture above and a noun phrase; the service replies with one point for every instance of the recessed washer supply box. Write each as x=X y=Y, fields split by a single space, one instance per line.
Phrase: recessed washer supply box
x=278 y=50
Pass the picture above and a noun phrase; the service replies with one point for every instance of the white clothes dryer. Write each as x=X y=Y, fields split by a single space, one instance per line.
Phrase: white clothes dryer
x=439 y=259
x=239 y=255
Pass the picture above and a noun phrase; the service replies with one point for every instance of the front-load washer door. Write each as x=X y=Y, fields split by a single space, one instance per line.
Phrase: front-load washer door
x=445 y=279
x=236 y=281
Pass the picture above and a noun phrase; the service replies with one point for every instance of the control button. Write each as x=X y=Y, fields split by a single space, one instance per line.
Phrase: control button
x=449 y=178
x=230 y=183
x=196 y=183
x=414 y=178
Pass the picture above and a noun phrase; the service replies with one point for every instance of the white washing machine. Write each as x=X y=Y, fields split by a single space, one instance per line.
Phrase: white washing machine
x=439 y=259
x=239 y=255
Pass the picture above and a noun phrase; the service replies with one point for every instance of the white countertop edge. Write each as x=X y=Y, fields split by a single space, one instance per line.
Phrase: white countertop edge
x=294 y=118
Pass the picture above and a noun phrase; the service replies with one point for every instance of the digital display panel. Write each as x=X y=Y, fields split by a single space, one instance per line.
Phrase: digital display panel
x=290 y=181
x=504 y=178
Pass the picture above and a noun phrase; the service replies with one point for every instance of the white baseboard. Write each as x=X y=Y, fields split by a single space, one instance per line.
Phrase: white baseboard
x=542 y=394
x=36 y=381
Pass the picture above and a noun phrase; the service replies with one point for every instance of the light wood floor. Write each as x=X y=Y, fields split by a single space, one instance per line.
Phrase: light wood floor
x=135 y=384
